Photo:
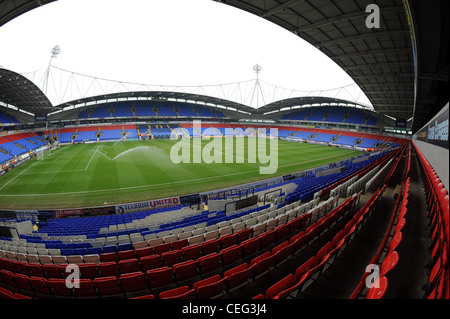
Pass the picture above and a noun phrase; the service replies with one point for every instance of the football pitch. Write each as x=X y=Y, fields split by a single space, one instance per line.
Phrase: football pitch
x=111 y=173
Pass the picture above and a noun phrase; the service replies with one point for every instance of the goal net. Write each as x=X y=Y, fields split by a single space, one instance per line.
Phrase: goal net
x=40 y=155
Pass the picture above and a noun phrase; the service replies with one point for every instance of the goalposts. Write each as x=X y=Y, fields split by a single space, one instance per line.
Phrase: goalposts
x=40 y=152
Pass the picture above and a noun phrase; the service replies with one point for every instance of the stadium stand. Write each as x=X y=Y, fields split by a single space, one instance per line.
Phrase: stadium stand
x=314 y=237
x=6 y=118
x=208 y=254
x=332 y=114
x=146 y=109
x=108 y=133
x=18 y=144
x=337 y=115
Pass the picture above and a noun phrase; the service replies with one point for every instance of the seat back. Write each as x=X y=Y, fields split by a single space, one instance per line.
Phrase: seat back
x=185 y=270
x=183 y=292
x=283 y=284
x=210 y=287
x=159 y=277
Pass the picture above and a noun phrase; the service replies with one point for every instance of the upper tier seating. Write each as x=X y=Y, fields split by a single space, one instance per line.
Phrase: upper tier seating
x=332 y=114
x=6 y=118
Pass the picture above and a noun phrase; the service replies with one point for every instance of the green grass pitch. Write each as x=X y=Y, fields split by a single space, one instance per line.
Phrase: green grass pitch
x=122 y=172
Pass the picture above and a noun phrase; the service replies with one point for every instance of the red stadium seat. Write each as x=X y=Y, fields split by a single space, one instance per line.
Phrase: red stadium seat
x=400 y=224
x=299 y=241
x=23 y=284
x=40 y=287
x=389 y=262
x=51 y=271
x=395 y=241
x=60 y=289
x=268 y=238
x=134 y=284
x=126 y=254
x=300 y=273
x=378 y=288
x=85 y=290
x=318 y=268
x=144 y=297
x=88 y=271
x=282 y=231
x=108 y=287
x=210 y=287
x=171 y=258
x=211 y=246
x=177 y=245
x=36 y=270
x=6 y=276
x=185 y=270
x=263 y=263
x=107 y=257
x=9 y=265
x=150 y=262
x=192 y=252
x=108 y=269
x=145 y=251
x=6 y=294
x=228 y=240
x=21 y=267
x=160 y=277
x=161 y=248
x=324 y=250
x=183 y=292
x=244 y=234
x=129 y=266
x=284 y=250
x=283 y=284
x=251 y=246
x=209 y=263
x=238 y=275
x=231 y=254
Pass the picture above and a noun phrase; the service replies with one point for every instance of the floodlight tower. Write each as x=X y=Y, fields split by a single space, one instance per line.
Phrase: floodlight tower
x=54 y=54
x=257 y=68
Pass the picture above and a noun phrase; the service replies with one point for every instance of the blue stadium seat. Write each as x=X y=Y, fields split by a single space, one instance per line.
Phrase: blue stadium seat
x=81 y=251
x=67 y=252
x=125 y=246
x=110 y=249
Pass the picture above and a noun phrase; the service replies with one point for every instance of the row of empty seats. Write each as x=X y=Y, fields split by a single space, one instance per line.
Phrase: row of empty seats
x=332 y=114
x=93 y=133
x=6 y=119
x=296 y=283
x=272 y=232
x=18 y=144
x=204 y=233
x=387 y=255
x=438 y=211
x=142 y=109
x=213 y=255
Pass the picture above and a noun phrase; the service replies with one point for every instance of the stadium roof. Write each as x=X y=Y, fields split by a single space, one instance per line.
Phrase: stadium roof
x=380 y=60
x=305 y=101
x=155 y=96
x=12 y=9
x=22 y=93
